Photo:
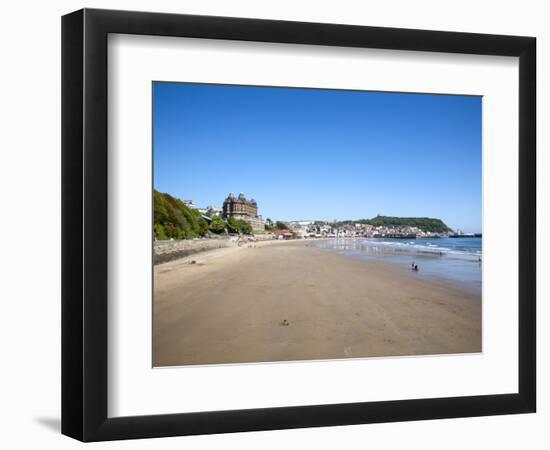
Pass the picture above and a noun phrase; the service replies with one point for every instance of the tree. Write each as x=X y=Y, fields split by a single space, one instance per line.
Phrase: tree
x=233 y=225
x=245 y=227
x=160 y=211
x=239 y=226
x=217 y=225
x=281 y=225
x=159 y=232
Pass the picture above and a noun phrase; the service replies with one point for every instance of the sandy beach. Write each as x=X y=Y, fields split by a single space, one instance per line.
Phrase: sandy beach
x=288 y=301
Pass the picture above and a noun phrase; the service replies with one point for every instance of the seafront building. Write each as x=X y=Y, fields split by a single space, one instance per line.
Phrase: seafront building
x=243 y=209
x=319 y=229
x=190 y=204
x=213 y=211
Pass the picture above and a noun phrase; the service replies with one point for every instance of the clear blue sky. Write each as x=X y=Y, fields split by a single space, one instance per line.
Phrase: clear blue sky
x=321 y=154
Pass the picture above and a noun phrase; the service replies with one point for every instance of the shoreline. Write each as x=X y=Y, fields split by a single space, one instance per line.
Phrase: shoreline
x=449 y=269
x=387 y=258
x=288 y=300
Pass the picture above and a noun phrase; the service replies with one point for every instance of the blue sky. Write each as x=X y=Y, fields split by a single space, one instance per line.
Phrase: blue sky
x=321 y=154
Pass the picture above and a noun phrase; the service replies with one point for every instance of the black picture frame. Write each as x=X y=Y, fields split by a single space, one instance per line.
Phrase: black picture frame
x=84 y=224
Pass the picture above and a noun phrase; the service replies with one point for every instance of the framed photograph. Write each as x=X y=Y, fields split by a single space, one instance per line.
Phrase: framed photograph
x=272 y=224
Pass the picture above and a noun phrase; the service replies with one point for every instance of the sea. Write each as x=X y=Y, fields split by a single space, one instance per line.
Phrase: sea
x=454 y=260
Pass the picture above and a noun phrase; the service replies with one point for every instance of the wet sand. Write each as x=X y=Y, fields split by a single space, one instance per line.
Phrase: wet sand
x=288 y=301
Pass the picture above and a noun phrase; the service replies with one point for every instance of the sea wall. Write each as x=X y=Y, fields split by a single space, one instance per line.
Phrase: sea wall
x=164 y=251
x=169 y=250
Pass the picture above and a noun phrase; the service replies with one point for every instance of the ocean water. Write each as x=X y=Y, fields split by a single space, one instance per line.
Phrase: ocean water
x=454 y=260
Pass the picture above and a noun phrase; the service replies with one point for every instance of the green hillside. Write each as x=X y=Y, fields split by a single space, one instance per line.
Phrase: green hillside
x=173 y=219
x=423 y=223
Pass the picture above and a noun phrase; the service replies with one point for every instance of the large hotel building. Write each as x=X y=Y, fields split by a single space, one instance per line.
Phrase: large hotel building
x=243 y=209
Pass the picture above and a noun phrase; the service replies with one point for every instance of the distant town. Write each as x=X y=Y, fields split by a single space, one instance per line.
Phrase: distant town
x=239 y=215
